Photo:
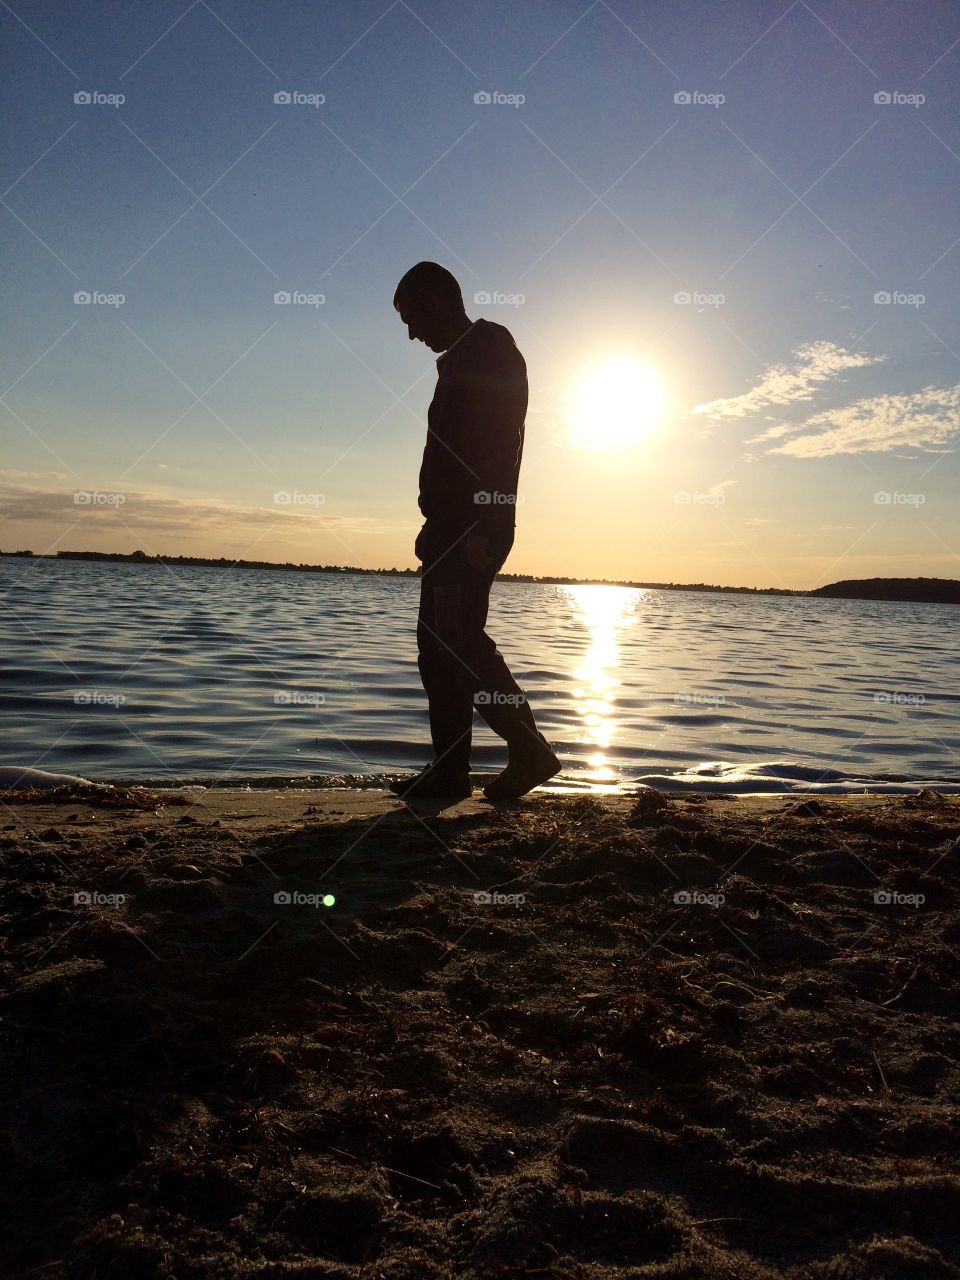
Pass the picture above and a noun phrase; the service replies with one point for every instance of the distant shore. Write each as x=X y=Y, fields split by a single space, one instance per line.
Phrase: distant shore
x=916 y=590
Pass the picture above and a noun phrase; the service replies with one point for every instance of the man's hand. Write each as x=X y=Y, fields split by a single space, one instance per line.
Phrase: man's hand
x=476 y=551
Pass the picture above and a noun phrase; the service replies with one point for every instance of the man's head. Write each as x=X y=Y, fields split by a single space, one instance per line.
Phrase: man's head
x=430 y=304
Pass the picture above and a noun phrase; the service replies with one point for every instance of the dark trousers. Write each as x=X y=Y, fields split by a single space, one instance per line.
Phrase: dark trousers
x=460 y=666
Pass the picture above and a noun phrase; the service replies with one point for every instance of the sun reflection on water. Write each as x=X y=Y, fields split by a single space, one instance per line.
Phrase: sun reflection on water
x=606 y=611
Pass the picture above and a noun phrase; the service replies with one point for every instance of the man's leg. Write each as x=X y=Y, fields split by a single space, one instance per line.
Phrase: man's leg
x=460 y=665
x=495 y=693
x=446 y=680
x=499 y=698
x=458 y=661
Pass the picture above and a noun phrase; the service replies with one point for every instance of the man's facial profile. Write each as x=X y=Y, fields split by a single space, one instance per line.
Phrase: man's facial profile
x=420 y=318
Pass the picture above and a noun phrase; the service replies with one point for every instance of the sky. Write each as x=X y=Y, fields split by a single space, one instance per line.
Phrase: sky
x=725 y=237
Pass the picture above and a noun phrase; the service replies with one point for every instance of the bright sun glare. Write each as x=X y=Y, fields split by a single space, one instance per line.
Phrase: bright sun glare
x=616 y=404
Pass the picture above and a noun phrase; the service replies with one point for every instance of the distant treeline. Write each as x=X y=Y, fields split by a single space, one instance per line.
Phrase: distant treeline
x=921 y=590
x=224 y=562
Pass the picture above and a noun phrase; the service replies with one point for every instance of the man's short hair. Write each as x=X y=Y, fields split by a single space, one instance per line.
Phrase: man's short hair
x=431 y=277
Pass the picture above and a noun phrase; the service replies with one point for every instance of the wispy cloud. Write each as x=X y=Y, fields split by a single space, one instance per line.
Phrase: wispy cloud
x=25 y=502
x=879 y=424
x=784 y=384
x=13 y=474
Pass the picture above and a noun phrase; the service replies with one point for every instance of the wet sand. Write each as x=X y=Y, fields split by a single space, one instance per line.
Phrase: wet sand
x=576 y=1074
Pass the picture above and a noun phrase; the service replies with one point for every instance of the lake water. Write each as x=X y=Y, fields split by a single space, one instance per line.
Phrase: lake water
x=167 y=674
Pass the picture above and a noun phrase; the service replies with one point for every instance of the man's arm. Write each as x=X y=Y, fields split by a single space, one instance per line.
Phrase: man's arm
x=494 y=407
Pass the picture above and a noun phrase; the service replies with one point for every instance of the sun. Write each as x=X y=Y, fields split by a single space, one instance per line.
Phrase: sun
x=617 y=404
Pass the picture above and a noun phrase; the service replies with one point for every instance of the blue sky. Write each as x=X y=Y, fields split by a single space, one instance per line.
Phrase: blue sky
x=737 y=246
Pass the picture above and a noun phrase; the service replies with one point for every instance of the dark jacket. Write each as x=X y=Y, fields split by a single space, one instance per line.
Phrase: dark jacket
x=475 y=427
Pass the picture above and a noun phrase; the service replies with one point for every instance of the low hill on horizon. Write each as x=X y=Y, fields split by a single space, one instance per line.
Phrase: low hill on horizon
x=924 y=590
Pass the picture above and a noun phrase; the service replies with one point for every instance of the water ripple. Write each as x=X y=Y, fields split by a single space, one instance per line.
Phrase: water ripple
x=132 y=673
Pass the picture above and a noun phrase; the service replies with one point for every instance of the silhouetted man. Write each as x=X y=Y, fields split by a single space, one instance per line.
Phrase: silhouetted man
x=468 y=495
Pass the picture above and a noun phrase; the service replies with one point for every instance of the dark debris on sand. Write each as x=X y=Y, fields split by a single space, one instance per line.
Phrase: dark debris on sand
x=677 y=1038
x=93 y=794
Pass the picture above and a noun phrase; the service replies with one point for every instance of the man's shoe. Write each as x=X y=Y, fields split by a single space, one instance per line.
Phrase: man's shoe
x=433 y=784
x=524 y=773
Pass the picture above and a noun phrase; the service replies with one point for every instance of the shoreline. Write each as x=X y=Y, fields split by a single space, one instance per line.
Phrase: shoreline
x=284 y=799
x=684 y=783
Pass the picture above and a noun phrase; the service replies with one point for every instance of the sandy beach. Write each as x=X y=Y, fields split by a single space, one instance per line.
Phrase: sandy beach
x=318 y=1033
